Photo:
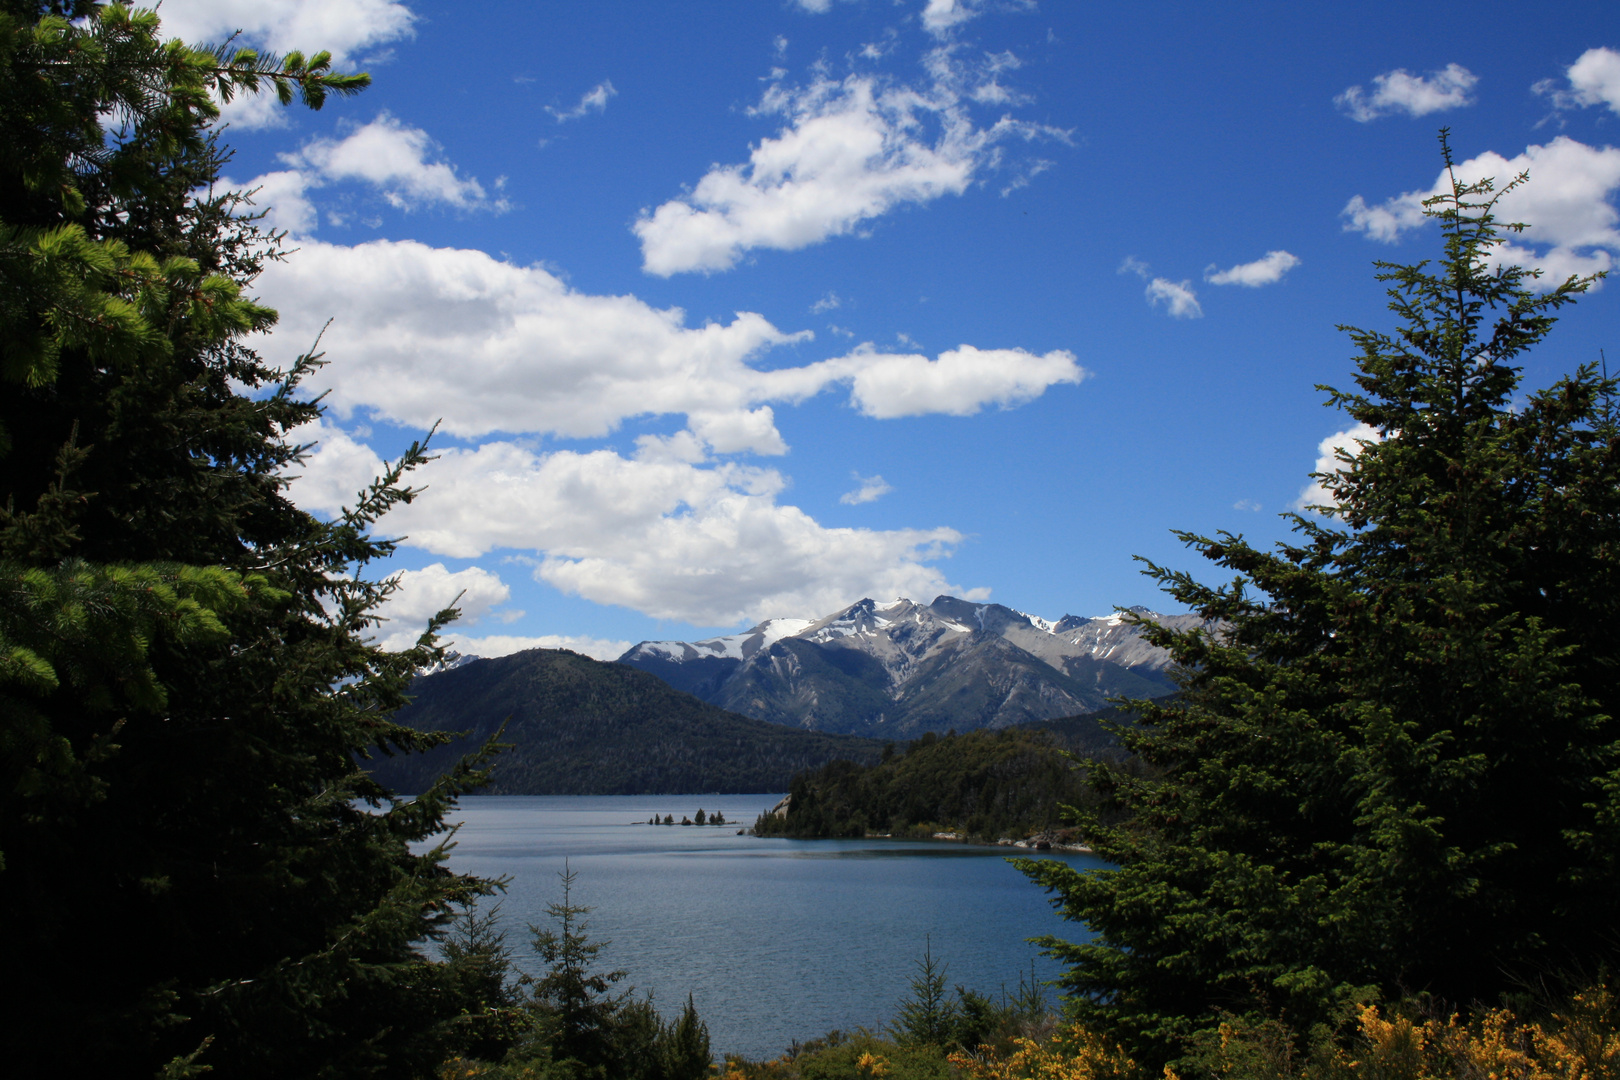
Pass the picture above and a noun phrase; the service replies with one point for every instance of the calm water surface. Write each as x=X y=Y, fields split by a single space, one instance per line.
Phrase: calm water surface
x=776 y=940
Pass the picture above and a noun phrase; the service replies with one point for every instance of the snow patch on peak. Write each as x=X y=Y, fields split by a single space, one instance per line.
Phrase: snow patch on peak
x=1045 y=626
x=728 y=647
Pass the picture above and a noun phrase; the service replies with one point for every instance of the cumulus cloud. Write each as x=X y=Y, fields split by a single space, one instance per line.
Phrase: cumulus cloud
x=1330 y=454
x=1415 y=95
x=1267 y=270
x=393 y=158
x=493 y=645
x=342 y=27
x=709 y=545
x=872 y=488
x=1178 y=297
x=432 y=334
x=959 y=383
x=1594 y=79
x=850 y=150
x=422 y=594
x=1567 y=205
x=284 y=199
x=593 y=100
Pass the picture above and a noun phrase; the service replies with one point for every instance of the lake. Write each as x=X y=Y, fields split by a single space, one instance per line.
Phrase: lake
x=776 y=940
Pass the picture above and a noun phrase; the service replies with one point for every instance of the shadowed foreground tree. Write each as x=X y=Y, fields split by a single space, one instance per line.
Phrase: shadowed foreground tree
x=1396 y=767
x=194 y=871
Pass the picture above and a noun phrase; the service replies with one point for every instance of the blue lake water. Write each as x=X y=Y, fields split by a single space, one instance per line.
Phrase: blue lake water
x=776 y=940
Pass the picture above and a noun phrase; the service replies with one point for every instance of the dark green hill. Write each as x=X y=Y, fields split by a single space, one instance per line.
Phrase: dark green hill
x=582 y=727
x=982 y=784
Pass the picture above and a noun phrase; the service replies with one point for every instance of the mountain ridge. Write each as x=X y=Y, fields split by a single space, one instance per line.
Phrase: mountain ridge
x=898 y=669
x=578 y=726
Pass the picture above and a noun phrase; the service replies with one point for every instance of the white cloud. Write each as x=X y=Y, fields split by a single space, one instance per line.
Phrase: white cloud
x=1386 y=221
x=1247 y=504
x=959 y=383
x=1594 y=79
x=872 y=489
x=493 y=645
x=1133 y=265
x=394 y=159
x=593 y=100
x=1328 y=460
x=1178 y=297
x=1567 y=204
x=851 y=150
x=940 y=17
x=706 y=545
x=423 y=593
x=431 y=333
x=1263 y=271
x=1415 y=95
x=282 y=196
x=830 y=302
x=341 y=27
x=815 y=7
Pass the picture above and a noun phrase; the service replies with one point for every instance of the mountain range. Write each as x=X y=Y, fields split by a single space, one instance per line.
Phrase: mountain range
x=897 y=669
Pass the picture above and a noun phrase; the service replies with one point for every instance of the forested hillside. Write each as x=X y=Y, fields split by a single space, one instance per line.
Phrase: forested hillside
x=577 y=726
x=980 y=784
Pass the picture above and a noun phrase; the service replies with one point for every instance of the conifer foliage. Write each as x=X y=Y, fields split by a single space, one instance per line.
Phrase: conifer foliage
x=1394 y=762
x=195 y=873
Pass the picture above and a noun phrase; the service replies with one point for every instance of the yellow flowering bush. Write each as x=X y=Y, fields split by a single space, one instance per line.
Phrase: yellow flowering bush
x=1071 y=1053
x=1580 y=1041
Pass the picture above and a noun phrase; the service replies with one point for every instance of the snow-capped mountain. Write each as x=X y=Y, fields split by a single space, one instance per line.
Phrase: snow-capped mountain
x=902 y=668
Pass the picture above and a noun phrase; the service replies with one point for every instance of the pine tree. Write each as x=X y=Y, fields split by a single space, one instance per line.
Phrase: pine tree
x=683 y=1047
x=197 y=873
x=1394 y=761
x=576 y=1002
x=927 y=1016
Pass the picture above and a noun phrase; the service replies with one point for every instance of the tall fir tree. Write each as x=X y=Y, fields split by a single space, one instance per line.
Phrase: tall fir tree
x=574 y=1002
x=1394 y=763
x=196 y=871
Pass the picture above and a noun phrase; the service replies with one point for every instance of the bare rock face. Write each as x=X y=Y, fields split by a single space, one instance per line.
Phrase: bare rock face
x=898 y=668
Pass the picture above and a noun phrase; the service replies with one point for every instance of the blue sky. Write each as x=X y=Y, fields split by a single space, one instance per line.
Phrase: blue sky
x=739 y=310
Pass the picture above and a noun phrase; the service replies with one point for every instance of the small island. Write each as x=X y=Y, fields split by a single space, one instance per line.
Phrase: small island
x=700 y=818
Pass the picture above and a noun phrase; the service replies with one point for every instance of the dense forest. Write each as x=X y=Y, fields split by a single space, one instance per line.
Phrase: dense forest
x=1375 y=835
x=571 y=725
x=982 y=785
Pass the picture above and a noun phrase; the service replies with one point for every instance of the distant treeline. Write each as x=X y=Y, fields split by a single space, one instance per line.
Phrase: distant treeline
x=985 y=784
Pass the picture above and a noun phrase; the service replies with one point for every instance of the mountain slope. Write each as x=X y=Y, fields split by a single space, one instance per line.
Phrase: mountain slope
x=582 y=727
x=898 y=669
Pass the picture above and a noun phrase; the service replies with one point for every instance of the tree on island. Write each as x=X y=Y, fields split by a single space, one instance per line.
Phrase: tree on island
x=1394 y=764
x=700 y=818
x=198 y=874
